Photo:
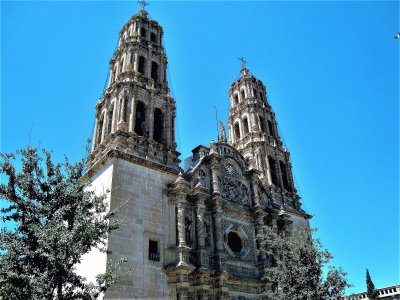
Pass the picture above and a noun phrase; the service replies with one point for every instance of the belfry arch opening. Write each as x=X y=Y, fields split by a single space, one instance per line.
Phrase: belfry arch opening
x=273 y=171
x=242 y=94
x=271 y=128
x=285 y=179
x=142 y=64
x=236 y=130
x=100 y=129
x=158 y=125
x=245 y=126
x=262 y=124
x=154 y=71
x=140 y=118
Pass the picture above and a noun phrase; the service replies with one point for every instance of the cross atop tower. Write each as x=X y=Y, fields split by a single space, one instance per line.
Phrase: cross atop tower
x=143 y=4
x=242 y=62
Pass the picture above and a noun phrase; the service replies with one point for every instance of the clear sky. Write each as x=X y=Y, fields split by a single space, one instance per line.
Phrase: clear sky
x=331 y=71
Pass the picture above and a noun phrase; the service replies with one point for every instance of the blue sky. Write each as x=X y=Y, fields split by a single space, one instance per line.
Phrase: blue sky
x=331 y=71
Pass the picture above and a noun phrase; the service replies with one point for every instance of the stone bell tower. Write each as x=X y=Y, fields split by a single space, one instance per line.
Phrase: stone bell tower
x=134 y=157
x=254 y=133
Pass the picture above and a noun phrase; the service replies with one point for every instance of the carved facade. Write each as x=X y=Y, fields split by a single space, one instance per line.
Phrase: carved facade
x=192 y=233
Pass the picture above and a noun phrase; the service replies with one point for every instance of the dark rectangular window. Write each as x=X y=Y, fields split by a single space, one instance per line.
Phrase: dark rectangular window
x=154 y=253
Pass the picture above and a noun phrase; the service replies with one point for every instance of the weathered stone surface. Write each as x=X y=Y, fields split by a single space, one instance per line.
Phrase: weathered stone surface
x=193 y=233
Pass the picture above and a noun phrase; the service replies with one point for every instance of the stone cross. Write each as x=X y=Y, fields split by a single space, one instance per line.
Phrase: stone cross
x=143 y=3
x=242 y=62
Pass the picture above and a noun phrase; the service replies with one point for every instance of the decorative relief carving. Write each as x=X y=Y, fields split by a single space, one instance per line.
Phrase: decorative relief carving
x=234 y=190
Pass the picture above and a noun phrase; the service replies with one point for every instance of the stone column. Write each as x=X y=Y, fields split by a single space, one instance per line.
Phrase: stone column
x=122 y=114
x=214 y=175
x=150 y=121
x=104 y=129
x=180 y=221
x=219 y=236
x=114 y=117
x=132 y=117
x=136 y=62
x=94 y=142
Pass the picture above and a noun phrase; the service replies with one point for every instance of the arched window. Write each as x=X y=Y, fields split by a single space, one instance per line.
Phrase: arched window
x=158 y=125
x=272 y=170
x=142 y=64
x=271 y=129
x=245 y=126
x=235 y=99
x=140 y=119
x=262 y=124
x=242 y=94
x=255 y=93
x=261 y=96
x=153 y=37
x=285 y=179
x=154 y=71
x=237 y=132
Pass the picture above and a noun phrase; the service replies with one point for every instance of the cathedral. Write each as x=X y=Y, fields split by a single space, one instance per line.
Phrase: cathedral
x=189 y=233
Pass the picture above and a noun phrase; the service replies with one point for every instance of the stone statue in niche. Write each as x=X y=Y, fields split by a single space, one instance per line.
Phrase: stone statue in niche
x=202 y=178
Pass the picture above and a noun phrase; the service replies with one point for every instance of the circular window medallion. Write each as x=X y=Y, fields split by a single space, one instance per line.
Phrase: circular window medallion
x=230 y=169
x=234 y=242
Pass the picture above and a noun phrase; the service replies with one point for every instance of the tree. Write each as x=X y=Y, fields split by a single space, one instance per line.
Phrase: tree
x=372 y=292
x=294 y=266
x=56 y=219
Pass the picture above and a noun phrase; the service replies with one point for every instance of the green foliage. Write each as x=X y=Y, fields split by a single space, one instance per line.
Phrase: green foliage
x=372 y=292
x=57 y=219
x=294 y=268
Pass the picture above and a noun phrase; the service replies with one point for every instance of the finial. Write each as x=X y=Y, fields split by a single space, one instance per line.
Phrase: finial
x=143 y=4
x=222 y=137
x=242 y=62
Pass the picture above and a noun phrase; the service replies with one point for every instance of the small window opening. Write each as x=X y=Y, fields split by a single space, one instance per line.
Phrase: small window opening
x=237 y=132
x=261 y=96
x=242 y=94
x=140 y=118
x=285 y=179
x=272 y=170
x=271 y=129
x=143 y=32
x=245 y=126
x=154 y=71
x=255 y=93
x=153 y=37
x=154 y=253
x=235 y=242
x=158 y=125
x=142 y=63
